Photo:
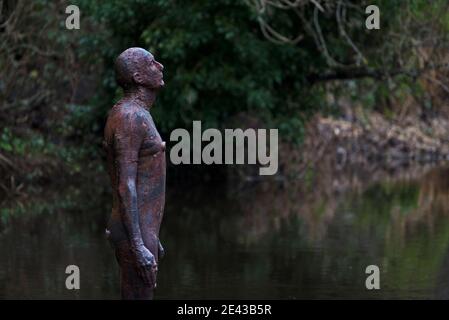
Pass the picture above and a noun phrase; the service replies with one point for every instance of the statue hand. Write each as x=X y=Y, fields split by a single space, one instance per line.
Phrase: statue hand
x=146 y=265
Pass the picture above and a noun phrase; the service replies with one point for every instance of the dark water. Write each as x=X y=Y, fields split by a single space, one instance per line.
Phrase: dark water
x=312 y=239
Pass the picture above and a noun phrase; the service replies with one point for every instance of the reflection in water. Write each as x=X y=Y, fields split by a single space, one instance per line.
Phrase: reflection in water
x=309 y=239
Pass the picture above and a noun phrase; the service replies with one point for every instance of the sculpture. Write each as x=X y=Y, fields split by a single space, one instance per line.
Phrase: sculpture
x=136 y=166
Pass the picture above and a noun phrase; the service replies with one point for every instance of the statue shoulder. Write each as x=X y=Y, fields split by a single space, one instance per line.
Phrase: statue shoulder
x=125 y=123
x=129 y=117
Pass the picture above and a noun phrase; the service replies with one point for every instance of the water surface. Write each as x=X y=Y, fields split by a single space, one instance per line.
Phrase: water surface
x=309 y=239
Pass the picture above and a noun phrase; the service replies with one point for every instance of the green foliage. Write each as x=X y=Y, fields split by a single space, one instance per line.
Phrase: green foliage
x=19 y=146
x=217 y=62
x=218 y=66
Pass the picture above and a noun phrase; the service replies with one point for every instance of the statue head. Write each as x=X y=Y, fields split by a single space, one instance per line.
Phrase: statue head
x=136 y=67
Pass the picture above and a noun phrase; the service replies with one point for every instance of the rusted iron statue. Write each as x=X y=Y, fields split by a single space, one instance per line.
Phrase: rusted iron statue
x=136 y=165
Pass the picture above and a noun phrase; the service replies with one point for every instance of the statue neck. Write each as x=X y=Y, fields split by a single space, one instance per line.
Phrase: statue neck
x=142 y=96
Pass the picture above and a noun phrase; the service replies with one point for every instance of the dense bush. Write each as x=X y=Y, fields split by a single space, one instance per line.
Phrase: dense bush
x=218 y=63
x=220 y=58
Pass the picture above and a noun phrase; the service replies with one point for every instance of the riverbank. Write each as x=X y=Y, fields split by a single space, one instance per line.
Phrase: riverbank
x=356 y=139
x=360 y=138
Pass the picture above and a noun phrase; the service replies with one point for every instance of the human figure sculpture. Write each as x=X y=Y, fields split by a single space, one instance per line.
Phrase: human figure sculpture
x=136 y=166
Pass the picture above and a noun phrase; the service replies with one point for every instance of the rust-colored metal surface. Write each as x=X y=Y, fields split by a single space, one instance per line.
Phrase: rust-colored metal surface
x=136 y=166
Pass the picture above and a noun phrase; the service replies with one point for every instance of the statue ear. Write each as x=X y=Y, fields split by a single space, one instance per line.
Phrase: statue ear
x=137 y=77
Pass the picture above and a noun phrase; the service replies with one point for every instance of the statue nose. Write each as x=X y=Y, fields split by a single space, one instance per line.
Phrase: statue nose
x=161 y=66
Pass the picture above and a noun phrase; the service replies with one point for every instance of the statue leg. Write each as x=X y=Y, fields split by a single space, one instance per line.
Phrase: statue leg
x=132 y=286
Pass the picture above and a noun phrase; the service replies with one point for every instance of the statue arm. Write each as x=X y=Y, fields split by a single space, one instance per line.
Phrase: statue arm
x=127 y=140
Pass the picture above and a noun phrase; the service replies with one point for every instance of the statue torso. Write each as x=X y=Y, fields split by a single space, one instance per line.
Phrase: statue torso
x=150 y=177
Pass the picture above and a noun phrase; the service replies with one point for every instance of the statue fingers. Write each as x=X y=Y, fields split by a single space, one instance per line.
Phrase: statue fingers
x=161 y=250
x=145 y=275
x=153 y=273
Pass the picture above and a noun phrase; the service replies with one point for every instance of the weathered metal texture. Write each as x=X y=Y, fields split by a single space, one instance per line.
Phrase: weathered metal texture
x=136 y=166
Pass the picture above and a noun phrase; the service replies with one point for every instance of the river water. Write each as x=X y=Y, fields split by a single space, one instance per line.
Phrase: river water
x=271 y=240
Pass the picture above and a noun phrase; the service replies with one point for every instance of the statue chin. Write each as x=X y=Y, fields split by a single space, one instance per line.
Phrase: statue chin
x=156 y=86
x=159 y=85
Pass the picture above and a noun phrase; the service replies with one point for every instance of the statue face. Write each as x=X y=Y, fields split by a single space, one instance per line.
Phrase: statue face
x=150 y=75
x=137 y=67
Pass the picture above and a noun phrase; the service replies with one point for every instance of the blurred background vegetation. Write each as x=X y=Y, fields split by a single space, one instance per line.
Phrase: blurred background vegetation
x=273 y=63
x=343 y=97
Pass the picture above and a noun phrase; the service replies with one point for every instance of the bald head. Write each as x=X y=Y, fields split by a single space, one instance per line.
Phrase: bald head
x=136 y=66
